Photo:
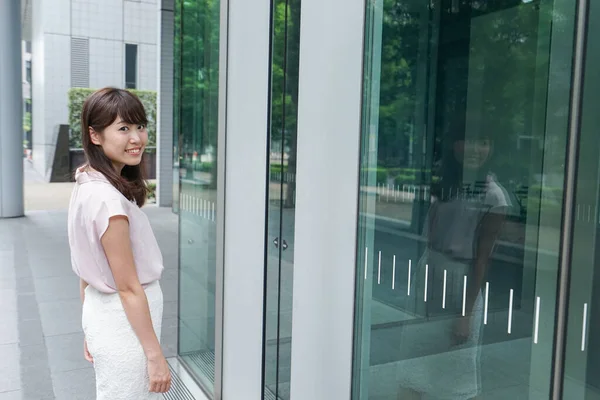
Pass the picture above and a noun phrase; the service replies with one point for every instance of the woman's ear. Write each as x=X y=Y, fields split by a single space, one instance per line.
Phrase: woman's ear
x=94 y=137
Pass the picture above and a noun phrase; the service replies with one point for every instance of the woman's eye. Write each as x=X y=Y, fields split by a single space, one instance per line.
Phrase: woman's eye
x=140 y=127
x=123 y=128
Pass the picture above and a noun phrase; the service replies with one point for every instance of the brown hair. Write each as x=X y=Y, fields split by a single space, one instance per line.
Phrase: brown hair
x=100 y=110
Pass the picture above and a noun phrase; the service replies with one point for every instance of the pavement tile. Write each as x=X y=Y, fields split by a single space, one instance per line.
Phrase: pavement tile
x=65 y=352
x=79 y=384
x=61 y=317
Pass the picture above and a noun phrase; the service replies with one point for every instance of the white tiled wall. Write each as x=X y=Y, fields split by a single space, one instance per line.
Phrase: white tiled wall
x=98 y=18
x=106 y=63
x=57 y=16
x=37 y=90
x=147 y=67
x=57 y=73
x=140 y=25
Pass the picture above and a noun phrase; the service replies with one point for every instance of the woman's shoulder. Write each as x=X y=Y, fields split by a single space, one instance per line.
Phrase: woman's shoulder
x=496 y=194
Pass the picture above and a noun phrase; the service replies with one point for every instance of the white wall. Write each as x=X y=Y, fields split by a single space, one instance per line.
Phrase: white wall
x=106 y=63
x=98 y=19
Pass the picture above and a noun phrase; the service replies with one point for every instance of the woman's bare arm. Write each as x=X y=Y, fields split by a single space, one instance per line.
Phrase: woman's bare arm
x=117 y=246
x=490 y=229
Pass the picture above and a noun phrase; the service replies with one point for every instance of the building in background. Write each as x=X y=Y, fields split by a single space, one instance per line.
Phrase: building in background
x=26 y=74
x=85 y=44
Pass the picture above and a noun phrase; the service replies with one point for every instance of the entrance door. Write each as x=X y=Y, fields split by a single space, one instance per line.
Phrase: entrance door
x=461 y=189
x=281 y=201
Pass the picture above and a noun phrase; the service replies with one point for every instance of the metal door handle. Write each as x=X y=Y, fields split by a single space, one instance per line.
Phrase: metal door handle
x=284 y=244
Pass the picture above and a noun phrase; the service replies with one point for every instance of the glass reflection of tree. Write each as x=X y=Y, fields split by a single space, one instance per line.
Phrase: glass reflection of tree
x=285 y=64
x=507 y=45
x=199 y=82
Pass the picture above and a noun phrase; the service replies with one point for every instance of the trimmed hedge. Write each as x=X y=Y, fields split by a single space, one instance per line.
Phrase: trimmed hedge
x=77 y=97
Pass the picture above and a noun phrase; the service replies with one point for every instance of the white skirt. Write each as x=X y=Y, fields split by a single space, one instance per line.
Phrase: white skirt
x=436 y=367
x=119 y=360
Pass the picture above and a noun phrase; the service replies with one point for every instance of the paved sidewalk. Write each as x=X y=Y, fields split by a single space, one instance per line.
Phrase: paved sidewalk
x=40 y=335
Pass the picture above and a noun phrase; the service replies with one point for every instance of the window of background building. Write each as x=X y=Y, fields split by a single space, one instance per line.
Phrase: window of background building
x=130 y=66
x=28 y=71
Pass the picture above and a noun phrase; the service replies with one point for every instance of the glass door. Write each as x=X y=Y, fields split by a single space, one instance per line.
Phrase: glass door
x=285 y=47
x=196 y=121
x=465 y=122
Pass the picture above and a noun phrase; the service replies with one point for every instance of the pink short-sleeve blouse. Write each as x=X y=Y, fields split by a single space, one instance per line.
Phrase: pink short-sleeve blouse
x=93 y=202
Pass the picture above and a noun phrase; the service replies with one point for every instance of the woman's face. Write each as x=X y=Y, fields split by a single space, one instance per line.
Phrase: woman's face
x=122 y=143
x=472 y=154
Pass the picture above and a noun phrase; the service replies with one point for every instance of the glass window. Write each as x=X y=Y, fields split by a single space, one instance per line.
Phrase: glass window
x=462 y=167
x=582 y=353
x=197 y=97
x=130 y=66
x=28 y=71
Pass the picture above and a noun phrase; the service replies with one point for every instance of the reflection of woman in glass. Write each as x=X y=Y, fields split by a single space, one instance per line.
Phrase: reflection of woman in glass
x=468 y=207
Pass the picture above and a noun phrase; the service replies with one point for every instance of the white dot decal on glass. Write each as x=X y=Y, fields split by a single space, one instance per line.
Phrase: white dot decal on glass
x=487 y=296
x=426 y=279
x=379 y=270
x=444 y=290
x=213 y=211
x=589 y=213
x=464 y=307
x=409 y=267
x=510 y=309
x=394 y=273
x=584 y=327
x=366 y=261
x=537 y=320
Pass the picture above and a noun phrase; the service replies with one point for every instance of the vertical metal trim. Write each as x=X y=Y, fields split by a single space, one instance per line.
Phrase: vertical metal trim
x=265 y=322
x=569 y=197
x=221 y=147
x=177 y=9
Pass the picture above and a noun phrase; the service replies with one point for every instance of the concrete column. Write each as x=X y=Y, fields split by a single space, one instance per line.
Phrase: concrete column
x=164 y=137
x=11 y=111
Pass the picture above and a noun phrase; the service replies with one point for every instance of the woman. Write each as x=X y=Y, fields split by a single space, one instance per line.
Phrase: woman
x=115 y=253
x=465 y=218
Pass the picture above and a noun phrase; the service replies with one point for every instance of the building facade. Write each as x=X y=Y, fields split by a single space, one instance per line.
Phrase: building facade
x=85 y=44
x=376 y=199
x=388 y=200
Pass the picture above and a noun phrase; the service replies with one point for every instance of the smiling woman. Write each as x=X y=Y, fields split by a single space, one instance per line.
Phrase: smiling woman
x=115 y=253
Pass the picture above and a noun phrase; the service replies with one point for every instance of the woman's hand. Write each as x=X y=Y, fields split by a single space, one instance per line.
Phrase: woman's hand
x=86 y=352
x=159 y=373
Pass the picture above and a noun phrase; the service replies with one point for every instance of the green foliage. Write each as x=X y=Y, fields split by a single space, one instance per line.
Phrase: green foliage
x=276 y=168
x=77 y=97
x=151 y=190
